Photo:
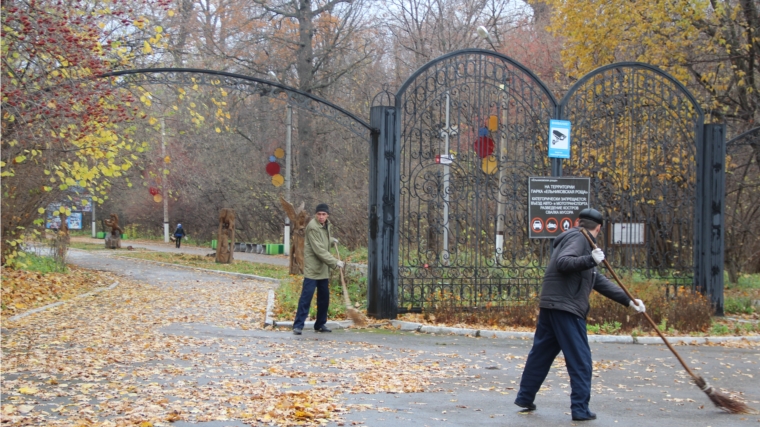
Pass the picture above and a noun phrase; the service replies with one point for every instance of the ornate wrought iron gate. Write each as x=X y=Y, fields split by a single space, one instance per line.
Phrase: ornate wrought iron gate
x=636 y=133
x=469 y=128
x=473 y=128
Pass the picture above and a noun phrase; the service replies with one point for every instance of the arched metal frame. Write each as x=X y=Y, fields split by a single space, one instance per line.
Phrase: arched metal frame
x=637 y=133
x=246 y=84
x=473 y=126
x=453 y=229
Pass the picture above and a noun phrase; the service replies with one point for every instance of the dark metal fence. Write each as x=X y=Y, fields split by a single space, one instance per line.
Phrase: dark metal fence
x=635 y=133
x=473 y=129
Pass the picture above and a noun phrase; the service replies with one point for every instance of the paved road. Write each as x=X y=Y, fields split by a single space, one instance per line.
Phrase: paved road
x=193 y=250
x=460 y=381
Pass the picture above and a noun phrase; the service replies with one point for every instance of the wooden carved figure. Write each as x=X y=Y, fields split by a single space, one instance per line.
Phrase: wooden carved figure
x=113 y=240
x=298 y=220
x=62 y=238
x=225 y=236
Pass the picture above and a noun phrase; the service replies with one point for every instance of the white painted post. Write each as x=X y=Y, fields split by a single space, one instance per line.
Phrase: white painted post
x=288 y=136
x=164 y=191
x=446 y=132
x=92 y=203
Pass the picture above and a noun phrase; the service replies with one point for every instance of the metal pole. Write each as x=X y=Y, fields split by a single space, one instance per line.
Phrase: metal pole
x=446 y=150
x=163 y=182
x=92 y=203
x=501 y=206
x=288 y=136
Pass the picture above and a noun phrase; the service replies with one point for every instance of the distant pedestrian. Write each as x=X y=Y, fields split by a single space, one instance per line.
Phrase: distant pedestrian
x=564 y=304
x=179 y=233
x=316 y=275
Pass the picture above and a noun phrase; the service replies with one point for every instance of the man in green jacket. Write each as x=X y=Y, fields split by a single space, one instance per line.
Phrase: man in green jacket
x=316 y=275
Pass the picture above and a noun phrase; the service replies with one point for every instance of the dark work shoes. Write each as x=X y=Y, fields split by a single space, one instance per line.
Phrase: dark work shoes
x=527 y=407
x=589 y=417
x=296 y=331
x=323 y=329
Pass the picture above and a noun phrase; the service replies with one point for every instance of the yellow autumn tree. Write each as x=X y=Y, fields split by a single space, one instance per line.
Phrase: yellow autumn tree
x=713 y=47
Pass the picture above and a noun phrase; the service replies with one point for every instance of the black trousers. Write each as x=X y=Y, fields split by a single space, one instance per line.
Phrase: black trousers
x=559 y=330
x=323 y=301
x=177 y=241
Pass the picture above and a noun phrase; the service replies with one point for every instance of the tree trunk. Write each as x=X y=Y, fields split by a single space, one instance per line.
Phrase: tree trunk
x=225 y=237
x=305 y=66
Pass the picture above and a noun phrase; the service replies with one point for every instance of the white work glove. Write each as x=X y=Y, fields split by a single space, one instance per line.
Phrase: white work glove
x=334 y=240
x=341 y=264
x=598 y=255
x=638 y=306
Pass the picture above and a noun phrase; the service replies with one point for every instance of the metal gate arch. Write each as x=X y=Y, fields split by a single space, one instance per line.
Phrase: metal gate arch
x=637 y=133
x=447 y=208
x=472 y=128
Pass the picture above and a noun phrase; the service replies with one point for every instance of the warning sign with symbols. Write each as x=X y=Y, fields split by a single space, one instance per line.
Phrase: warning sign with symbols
x=554 y=204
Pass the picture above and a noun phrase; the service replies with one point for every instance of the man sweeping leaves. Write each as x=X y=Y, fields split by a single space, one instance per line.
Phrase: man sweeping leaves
x=316 y=275
x=564 y=304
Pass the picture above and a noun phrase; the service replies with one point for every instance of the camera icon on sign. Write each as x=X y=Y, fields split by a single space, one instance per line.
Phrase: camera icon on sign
x=558 y=136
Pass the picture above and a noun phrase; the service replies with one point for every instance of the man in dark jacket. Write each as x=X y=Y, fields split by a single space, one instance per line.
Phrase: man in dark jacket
x=316 y=274
x=564 y=305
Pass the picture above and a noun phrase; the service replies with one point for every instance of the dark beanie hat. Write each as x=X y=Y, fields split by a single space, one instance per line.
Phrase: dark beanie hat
x=592 y=214
x=322 y=207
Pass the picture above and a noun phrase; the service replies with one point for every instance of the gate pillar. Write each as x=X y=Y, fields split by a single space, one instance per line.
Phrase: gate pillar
x=710 y=233
x=384 y=170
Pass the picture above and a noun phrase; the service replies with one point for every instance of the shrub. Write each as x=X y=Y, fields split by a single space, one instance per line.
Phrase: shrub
x=685 y=312
x=738 y=305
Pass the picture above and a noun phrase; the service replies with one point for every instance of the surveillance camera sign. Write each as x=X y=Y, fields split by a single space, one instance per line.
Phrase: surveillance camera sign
x=559 y=139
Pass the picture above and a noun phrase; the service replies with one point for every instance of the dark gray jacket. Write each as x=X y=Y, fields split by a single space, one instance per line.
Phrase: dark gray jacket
x=571 y=275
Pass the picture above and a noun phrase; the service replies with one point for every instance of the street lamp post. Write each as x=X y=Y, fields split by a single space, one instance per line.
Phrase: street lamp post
x=164 y=190
x=503 y=141
x=288 y=139
x=483 y=33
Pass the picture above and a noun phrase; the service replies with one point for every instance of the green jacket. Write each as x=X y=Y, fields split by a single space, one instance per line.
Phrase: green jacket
x=317 y=251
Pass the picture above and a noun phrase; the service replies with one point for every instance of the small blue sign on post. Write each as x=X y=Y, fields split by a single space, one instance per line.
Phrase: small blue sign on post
x=559 y=139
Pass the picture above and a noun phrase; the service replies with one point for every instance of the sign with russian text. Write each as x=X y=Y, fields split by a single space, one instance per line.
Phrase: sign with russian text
x=554 y=204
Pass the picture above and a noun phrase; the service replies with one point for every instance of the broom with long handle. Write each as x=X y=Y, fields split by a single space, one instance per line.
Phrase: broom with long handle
x=719 y=399
x=352 y=313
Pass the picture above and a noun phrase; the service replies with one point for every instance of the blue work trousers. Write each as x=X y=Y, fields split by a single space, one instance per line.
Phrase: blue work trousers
x=323 y=301
x=559 y=330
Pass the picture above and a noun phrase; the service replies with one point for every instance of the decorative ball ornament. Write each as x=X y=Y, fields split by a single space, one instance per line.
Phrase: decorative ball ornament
x=278 y=180
x=157 y=198
x=489 y=165
x=273 y=168
x=272 y=158
x=153 y=191
x=484 y=146
x=279 y=153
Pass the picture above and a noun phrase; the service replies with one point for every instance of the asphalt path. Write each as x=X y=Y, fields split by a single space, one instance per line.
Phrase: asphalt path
x=191 y=249
x=633 y=385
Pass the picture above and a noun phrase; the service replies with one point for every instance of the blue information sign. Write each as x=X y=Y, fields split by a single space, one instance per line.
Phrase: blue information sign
x=559 y=139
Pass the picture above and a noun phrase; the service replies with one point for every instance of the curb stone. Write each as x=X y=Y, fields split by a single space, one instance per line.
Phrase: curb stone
x=615 y=339
x=269 y=317
x=445 y=330
x=56 y=304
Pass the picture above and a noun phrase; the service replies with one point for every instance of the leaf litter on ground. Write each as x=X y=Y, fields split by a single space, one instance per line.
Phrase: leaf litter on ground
x=107 y=361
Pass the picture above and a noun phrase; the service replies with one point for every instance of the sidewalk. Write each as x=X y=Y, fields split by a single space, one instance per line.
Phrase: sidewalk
x=190 y=249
